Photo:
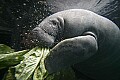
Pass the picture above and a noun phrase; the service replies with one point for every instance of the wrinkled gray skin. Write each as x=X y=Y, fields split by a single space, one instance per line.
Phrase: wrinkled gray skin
x=82 y=39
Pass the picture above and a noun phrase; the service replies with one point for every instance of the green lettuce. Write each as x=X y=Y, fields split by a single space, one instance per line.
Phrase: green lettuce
x=29 y=65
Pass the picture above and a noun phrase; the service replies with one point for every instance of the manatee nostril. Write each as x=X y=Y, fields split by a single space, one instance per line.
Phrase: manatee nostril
x=35 y=32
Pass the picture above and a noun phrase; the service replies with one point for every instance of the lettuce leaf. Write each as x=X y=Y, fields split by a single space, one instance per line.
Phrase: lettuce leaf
x=26 y=68
x=40 y=72
x=8 y=57
x=30 y=65
x=4 y=49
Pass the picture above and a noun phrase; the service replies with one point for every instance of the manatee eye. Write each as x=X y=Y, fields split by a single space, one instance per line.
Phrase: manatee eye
x=54 y=22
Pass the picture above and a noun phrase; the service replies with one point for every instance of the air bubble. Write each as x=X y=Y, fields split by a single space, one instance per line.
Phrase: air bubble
x=30 y=26
x=26 y=33
x=24 y=4
x=18 y=25
x=20 y=17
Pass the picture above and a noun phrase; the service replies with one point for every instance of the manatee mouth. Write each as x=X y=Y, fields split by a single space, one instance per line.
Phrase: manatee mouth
x=42 y=38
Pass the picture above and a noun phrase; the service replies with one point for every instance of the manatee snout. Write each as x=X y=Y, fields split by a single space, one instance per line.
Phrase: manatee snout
x=42 y=38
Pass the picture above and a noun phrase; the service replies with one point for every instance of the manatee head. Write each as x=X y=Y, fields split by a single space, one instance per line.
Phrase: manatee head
x=48 y=31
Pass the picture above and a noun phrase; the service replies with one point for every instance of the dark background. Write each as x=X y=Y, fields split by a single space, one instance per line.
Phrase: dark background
x=17 y=18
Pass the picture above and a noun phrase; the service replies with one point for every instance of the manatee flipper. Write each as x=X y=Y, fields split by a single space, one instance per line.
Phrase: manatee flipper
x=71 y=51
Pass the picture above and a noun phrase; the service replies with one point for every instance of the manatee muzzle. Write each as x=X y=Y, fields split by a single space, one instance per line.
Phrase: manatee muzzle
x=42 y=38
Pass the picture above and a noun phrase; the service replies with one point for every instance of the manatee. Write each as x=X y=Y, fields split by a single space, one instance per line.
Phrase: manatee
x=80 y=38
